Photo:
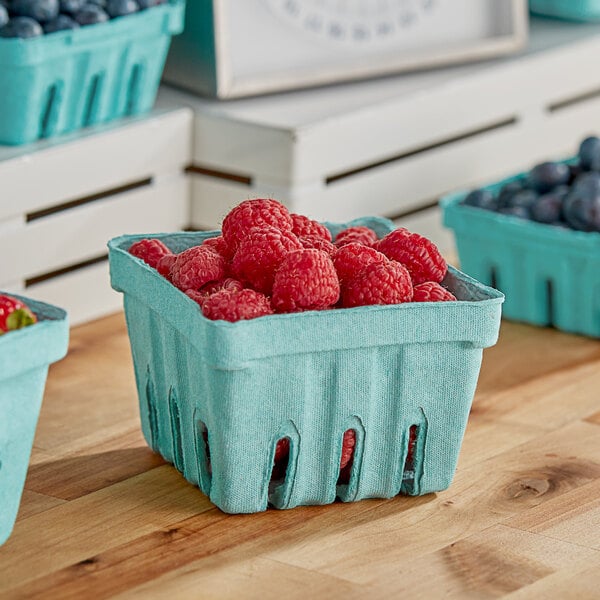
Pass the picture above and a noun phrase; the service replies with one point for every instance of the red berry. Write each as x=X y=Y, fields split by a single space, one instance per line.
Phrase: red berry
x=149 y=250
x=306 y=280
x=382 y=283
x=255 y=214
x=348 y=444
x=430 y=291
x=196 y=296
x=195 y=267
x=412 y=442
x=219 y=245
x=351 y=259
x=236 y=305
x=317 y=242
x=359 y=234
x=282 y=450
x=303 y=226
x=418 y=254
x=213 y=287
x=14 y=314
x=165 y=264
x=259 y=255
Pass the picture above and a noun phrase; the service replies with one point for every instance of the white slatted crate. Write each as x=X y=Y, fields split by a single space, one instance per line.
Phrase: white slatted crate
x=393 y=146
x=65 y=199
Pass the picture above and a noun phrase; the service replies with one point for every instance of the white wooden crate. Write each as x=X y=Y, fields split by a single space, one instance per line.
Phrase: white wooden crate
x=65 y=199
x=394 y=146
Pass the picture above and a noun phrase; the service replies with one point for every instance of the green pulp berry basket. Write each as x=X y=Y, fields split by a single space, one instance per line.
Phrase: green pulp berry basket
x=550 y=274
x=572 y=10
x=216 y=397
x=25 y=355
x=64 y=81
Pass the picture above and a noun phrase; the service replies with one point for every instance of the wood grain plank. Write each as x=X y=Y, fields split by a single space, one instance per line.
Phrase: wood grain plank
x=33 y=503
x=79 y=529
x=92 y=469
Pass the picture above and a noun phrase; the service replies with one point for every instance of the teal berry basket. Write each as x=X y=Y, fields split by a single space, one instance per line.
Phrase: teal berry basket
x=571 y=10
x=64 y=81
x=215 y=397
x=549 y=274
x=25 y=355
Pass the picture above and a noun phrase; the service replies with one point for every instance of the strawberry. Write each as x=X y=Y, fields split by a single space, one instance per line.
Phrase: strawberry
x=14 y=314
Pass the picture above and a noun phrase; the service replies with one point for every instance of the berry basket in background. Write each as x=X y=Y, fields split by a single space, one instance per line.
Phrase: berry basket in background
x=67 y=80
x=574 y=10
x=549 y=274
x=25 y=355
x=216 y=397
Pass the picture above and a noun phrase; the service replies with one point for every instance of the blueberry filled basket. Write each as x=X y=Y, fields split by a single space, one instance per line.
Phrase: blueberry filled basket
x=572 y=10
x=217 y=397
x=58 y=83
x=25 y=355
x=550 y=274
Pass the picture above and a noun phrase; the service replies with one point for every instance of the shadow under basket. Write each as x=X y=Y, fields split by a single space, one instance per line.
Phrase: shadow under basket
x=25 y=355
x=217 y=397
x=549 y=274
x=64 y=81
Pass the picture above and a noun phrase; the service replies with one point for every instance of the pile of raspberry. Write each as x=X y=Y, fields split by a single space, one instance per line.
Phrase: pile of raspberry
x=269 y=260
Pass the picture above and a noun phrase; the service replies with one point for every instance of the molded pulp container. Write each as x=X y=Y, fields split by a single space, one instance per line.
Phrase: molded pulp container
x=25 y=355
x=63 y=81
x=215 y=397
x=575 y=10
x=550 y=274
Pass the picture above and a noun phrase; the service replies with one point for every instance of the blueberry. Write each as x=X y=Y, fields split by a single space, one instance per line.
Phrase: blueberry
x=548 y=175
x=40 y=10
x=589 y=183
x=70 y=7
x=582 y=209
x=548 y=208
x=481 y=199
x=508 y=191
x=523 y=199
x=91 y=14
x=574 y=172
x=21 y=27
x=589 y=154
x=144 y=4
x=3 y=16
x=61 y=23
x=515 y=211
x=120 y=8
x=100 y=3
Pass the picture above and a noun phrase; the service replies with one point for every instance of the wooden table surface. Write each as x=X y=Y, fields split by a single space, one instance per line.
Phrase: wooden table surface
x=102 y=516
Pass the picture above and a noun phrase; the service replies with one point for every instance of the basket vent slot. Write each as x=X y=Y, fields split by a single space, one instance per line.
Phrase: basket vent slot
x=151 y=410
x=133 y=89
x=550 y=300
x=347 y=457
x=281 y=463
x=176 y=431
x=203 y=456
x=50 y=114
x=93 y=100
x=413 y=463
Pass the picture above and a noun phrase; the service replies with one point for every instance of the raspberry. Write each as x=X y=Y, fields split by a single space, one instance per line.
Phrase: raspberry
x=359 y=234
x=282 y=453
x=253 y=214
x=14 y=315
x=303 y=226
x=412 y=442
x=149 y=250
x=430 y=291
x=351 y=259
x=348 y=444
x=219 y=245
x=236 y=305
x=213 y=287
x=315 y=241
x=197 y=266
x=259 y=255
x=382 y=283
x=306 y=280
x=418 y=254
x=165 y=264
